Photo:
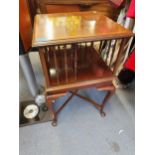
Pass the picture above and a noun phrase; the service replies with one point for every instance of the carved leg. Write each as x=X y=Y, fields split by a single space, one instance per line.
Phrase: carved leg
x=53 y=114
x=109 y=94
x=50 y=105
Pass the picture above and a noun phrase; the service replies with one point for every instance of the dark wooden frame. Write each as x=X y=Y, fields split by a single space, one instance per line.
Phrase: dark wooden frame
x=54 y=92
x=97 y=72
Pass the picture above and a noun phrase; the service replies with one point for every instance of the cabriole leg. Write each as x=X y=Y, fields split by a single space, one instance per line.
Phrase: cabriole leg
x=108 y=95
x=50 y=105
x=53 y=114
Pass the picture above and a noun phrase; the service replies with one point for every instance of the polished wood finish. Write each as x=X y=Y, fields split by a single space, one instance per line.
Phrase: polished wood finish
x=60 y=8
x=76 y=51
x=84 y=73
x=61 y=28
x=25 y=25
x=45 y=65
x=107 y=7
x=32 y=7
x=90 y=72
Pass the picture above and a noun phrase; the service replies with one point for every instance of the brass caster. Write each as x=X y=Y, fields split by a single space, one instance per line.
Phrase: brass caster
x=54 y=123
x=103 y=114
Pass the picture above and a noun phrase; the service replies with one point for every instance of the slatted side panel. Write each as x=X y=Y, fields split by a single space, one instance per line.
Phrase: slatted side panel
x=60 y=62
x=110 y=50
x=66 y=60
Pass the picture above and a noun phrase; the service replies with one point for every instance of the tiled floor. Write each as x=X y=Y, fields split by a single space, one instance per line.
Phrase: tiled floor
x=81 y=130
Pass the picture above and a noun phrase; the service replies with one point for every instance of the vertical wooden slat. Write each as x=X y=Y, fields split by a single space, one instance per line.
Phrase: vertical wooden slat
x=47 y=58
x=82 y=52
x=92 y=43
x=108 y=51
x=85 y=50
x=47 y=54
x=66 y=64
x=56 y=64
x=124 y=53
x=44 y=65
x=103 y=47
x=72 y=58
x=128 y=49
x=60 y=60
x=100 y=46
x=104 y=44
x=50 y=53
x=121 y=49
x=113 y=51
x=75 y=61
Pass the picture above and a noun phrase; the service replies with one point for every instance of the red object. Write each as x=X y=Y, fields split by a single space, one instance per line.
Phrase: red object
x=130 y=63
x=131 y=10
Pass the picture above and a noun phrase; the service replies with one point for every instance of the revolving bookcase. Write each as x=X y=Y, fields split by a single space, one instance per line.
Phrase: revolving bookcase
x=78 y=50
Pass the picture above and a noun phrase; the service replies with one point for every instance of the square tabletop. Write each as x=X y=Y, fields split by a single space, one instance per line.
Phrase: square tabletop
x=61 y=28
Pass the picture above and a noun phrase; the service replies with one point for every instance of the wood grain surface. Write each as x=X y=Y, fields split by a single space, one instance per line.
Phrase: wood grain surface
x=60 y=28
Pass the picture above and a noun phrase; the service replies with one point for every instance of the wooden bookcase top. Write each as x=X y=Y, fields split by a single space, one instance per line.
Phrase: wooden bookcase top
x=61 y=28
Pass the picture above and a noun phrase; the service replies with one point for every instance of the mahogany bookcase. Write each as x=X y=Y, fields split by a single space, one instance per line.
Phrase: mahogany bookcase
x=78 y=50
